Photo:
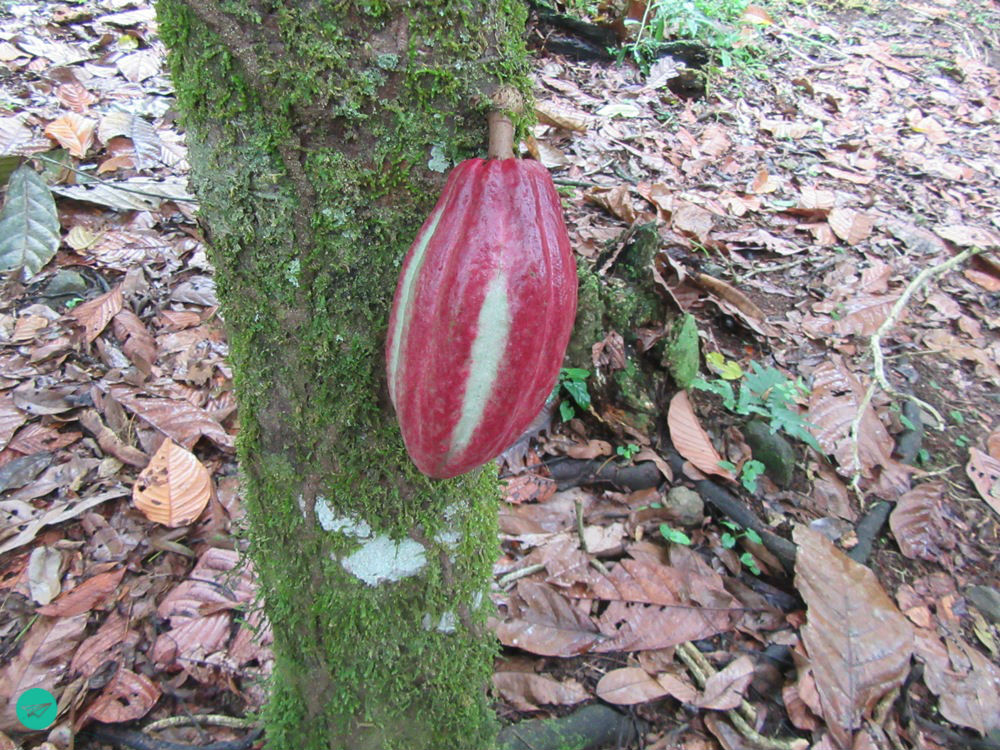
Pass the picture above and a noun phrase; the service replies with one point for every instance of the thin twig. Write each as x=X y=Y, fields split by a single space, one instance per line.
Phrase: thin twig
x=878 y=358
x=516 y=575
x=742 y=718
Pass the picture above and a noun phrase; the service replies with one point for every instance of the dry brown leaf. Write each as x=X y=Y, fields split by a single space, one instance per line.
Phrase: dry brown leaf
x=139 y=66
x=548 y=624
x=110 y=443
x=917 y=524
x=129 y=696
x=629 y=686
x=74 y=96
x=748 y=310
x=200 y=609
x=617 y=201
x=984 y=471
x=851 y=226
x=765 y=182
x=692 y=220
x=966 y=683
x=860 y=315
x=815 y=199
x=36 y=437
x=42 y=653
x=756 y=15
x=85 y=596
x=94 y=315
x=965 y=235
x=562 y=115
x=932 y=129
x=174 y=489
x=527 y=692
x=10 y=418
x=648 y=454
x=96 y=650
x=859 y=643
x=631 y=626
x=181 y=421
x=38 y=397
x=834 y=401
x=785 y=129
x=992 y=445
x=725 y=689
x=192 y=639
x=987 y=281
x=73 y=132
x=690 y=438
x=591 y=449
x=137 y=341
x=855 y=177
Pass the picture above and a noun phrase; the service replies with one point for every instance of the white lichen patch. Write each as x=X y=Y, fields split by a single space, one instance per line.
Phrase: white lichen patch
x=448 y=539
x=382 y=560
x=447 y=624
x=329 y=521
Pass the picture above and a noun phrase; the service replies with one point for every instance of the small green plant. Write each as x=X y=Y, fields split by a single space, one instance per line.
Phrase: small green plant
x=734 y=534
x=573 y=380
x=627 y=451
x=674 y=535
x=748 y=473
x=712 y=22
x=769 y=393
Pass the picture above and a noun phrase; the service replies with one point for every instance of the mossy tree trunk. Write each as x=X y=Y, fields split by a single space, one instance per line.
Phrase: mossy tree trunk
x=317 y=133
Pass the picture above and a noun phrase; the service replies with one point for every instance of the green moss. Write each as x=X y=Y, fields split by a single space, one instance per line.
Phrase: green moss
x=312 y=180
x=589 y=327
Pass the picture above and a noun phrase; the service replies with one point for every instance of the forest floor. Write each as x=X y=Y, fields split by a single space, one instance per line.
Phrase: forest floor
x=828 y=214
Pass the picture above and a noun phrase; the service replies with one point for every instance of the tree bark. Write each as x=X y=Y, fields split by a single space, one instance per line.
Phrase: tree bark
x=318 y=133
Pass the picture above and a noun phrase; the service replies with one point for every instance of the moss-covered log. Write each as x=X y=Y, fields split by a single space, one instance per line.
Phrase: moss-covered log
x=318 y=135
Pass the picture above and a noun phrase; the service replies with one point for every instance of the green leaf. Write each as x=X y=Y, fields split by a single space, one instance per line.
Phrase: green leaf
x=731 y=370
x=29 y=225
x=762 y=380
x=748 y=476
x=728 y=540
x=747 y=559
x=578 y=390
x=574 y=373
x=566 y=411
x=674 y=535
x=753 y=536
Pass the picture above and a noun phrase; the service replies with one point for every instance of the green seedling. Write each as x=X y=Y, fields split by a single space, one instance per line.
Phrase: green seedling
x=769 y=393
x=674 y=535
x=573 y=380
x=735 y=533
x=713 y=23
x=627 y=451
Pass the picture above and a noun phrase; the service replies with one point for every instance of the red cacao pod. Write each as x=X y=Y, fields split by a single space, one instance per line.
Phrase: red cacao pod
x=482 y=315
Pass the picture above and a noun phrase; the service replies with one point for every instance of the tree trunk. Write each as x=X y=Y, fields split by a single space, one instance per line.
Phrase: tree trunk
x=318 y=135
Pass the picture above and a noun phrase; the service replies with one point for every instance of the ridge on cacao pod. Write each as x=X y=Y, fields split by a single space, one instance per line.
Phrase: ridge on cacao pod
x=483 y=312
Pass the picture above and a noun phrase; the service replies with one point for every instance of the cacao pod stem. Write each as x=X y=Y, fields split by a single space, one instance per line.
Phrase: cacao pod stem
x=501 y=136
